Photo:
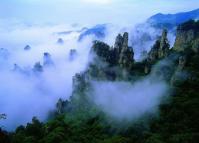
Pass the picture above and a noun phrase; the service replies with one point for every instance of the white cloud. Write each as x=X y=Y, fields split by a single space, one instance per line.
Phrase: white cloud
x=38 y=91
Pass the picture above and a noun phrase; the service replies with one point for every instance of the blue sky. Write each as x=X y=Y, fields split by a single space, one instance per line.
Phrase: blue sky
x=90 y=11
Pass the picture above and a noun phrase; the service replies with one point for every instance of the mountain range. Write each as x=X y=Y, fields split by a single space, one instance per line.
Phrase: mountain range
x=172 y=20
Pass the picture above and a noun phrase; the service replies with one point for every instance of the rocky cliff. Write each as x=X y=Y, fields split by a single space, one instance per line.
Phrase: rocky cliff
x=160 y=49
x=121 y=54
x=187 y=36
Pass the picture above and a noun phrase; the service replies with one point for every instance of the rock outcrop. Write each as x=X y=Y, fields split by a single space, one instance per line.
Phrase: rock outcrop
x=60 y=106
x=79 y=93
x=187 y=47
x=126 y=55
x=38 y=67
x=164 y=45
x=187 y=37
x=47 y=60
x=160 y=49
x=60 y=41
x=72 y=54
x=27 y=48
x=121 y=54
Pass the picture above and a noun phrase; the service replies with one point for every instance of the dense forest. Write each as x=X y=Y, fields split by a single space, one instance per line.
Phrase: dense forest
x=79 y=120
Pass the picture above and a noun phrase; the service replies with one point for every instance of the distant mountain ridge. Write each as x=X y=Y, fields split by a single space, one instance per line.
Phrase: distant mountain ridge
x=98 y=31
x=171 y=20
x=159 y=21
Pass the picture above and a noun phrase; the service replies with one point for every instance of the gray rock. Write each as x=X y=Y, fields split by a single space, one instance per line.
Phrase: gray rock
x=72 y=54
x=164 y=45
x=126 y=56
x=187 y=37
x=60 y=41
x=38 y=67
x=27 y=48
x=160 y=49
x=47 y=60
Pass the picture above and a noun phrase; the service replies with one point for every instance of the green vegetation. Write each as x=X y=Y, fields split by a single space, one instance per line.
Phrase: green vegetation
x=191 y=24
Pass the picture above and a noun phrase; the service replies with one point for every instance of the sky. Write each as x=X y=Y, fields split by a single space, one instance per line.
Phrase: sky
x=89 y=11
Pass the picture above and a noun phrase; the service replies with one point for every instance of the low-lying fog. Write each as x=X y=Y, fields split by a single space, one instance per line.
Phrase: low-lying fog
x=25 y=92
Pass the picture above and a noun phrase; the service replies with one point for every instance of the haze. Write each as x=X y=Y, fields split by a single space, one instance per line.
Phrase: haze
x=89 y=11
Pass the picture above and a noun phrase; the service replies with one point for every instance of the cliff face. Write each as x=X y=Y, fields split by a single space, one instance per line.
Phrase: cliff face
x=47 y=60
x=187 y=48
x=126 y=54
x=121 y=54
x=160 y=49
x=187 y=36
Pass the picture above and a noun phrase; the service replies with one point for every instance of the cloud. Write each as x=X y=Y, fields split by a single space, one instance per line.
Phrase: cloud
x=131 y=100
x=23 y=92
x=127 y=101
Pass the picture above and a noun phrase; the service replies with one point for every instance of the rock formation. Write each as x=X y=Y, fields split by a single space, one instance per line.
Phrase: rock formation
x=160 y=49
x=187 y=47
x=79 y=93
x=118 y=43
x=187 y=36
x=72 y=54
x=27 y=48
x=121 y=54
x=164 y=45
x=38 y=67
x=60 y=106
x=47 y=60
x=60 y=41
x=126 y=55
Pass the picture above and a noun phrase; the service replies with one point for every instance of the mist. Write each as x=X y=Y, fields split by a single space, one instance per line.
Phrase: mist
x=129 y=101
x=26 y=92
x=143 y=36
